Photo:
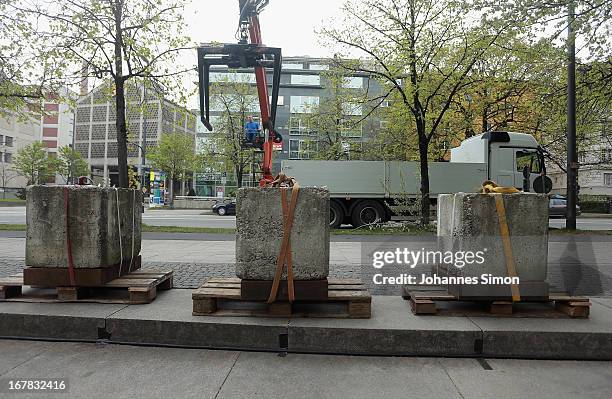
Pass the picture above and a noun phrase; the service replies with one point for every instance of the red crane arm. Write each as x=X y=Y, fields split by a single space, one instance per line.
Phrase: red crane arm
x=264 y=105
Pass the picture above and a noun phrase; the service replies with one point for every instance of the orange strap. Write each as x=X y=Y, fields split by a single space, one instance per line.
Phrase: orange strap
x=285 y=251
x=505 y=235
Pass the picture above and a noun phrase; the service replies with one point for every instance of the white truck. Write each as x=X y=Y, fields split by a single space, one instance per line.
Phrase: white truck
x=365 y=191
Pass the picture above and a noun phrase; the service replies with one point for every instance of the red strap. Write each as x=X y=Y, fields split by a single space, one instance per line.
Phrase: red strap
x=68 y=242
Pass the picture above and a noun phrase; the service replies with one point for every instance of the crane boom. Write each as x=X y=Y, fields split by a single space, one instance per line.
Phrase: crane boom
x=248 y=53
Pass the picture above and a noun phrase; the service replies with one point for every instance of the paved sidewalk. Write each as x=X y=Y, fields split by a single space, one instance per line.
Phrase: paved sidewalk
x=121 y=371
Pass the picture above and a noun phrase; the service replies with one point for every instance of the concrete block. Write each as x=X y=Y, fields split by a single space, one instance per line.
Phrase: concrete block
x=259 y=233
x=469 y=222
x=93 y=222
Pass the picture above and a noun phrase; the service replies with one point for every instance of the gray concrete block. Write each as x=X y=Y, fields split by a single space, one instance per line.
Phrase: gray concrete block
x=259 y=233
x=93 y=223
x=469 y=222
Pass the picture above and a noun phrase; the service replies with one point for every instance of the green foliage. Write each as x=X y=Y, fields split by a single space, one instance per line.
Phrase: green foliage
x=70 y=163
x=224 y=151
x=336 y=118
x=33 y=163
x=118 y=41
x=174 y=154
x=423 y=53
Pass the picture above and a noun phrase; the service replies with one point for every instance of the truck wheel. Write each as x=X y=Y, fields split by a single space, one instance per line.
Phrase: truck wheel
x=336 y=215
x=367 y=212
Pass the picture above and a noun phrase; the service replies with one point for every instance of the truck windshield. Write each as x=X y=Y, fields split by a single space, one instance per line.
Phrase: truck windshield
x=528 y=158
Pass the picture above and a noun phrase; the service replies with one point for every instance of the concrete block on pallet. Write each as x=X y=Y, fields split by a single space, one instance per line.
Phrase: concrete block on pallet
x=97 y=219
x=469 y=222
x=259 y=233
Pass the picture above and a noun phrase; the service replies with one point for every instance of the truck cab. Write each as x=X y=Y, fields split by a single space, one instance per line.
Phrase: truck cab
x=506 y=156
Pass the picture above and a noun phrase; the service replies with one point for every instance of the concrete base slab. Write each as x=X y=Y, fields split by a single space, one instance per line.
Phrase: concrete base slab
x=69 y=321
x=169 y=322
x=393 y=330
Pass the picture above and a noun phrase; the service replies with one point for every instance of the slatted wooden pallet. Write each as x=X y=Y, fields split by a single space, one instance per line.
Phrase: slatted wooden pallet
x=439 y=301
x=138 y=287
x=347 y=298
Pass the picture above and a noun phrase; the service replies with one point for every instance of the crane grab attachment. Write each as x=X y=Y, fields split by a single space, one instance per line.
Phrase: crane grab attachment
x=249 y=52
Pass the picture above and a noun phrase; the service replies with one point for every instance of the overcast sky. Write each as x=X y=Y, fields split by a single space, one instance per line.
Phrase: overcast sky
x=289 y=24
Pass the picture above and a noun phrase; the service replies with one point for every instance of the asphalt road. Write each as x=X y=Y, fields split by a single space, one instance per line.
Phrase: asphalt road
x=120 y=371
x=204 y=218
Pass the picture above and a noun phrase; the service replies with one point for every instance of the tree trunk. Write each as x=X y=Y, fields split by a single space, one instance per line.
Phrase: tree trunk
x=171 y=191
x=238 y=170
x=120 y=99
x=424 y=171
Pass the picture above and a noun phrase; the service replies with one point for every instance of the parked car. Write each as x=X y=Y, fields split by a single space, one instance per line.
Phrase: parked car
x=225 y=208
x=557 y=207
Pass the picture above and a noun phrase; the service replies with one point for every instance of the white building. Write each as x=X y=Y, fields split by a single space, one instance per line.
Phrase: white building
x=15 y=133
x=148 y=116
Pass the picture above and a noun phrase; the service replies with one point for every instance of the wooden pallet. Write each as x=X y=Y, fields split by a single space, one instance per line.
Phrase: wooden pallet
x=138 y=287
x=346 y=298
x=439 y=301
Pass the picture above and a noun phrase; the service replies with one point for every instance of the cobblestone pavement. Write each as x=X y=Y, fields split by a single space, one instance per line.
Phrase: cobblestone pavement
x=580 y=267
x=576 y=279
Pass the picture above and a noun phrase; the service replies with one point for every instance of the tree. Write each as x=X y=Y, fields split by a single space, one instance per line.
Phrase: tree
x=70 y=164
x=423 y=52
x=27 y=68
x=119 y=39
x=174 y=155
x=235 y=99
x=335 y=118
x=6 y=175
x=33 y=163
x=592 y=22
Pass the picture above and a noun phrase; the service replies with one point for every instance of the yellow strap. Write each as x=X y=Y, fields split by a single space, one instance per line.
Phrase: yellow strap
x=505 y=235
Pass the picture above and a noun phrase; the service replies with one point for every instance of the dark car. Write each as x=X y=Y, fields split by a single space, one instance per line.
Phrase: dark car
x=557 y=207
x=225 y=208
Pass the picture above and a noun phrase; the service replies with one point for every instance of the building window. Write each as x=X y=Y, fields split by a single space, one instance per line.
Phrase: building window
x=8 y=141
x=352 y=109
x=281 y=100
x=301 y=149
x=608 y=179
x=299 y=126
x=318 y=67
x=606 y=155
x=49 y=132
x=303 y=104
x=309 y=80
x=353 y=83
x=51 y=107
x=292 y=66
x=232 y=77
x=8 y=157
x=50 y=119
x=349 y=128
x=83 y=114
x=99 y=113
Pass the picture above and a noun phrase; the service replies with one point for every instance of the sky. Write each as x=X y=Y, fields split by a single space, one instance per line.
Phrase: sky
x=289 y=24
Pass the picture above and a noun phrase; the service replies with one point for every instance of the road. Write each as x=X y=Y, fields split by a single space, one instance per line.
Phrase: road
x=121 y=371
x=203 y=218
x=178 y=217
